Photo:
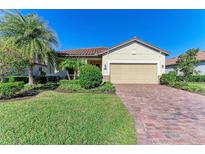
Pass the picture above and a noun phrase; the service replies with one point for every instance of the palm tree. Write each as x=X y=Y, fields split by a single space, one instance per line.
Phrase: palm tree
x=29 y=36
x=71 y=63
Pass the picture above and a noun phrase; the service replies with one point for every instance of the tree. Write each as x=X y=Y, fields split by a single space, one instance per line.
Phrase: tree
x=10 y=63
x=187 y=61
x=71 y=63
x=28 y=36
x=6 y=62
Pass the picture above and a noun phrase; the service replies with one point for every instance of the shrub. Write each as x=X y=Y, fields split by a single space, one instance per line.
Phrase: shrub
x=52 y=78
x=51 y=85
x=28 y=87
x=47 y=86
x=72 y=87
x=168 y=79
x=90 y=76
x=180 y=78
x=197 y=78
x=5 y=80
x=40 y=79
x=10 y=88
x=18 y=78
x=69 y=82
x=192 y=78
x=106 y=87
x=180 y=85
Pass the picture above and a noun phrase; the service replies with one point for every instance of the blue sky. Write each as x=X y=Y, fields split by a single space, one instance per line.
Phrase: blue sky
x=173 y=30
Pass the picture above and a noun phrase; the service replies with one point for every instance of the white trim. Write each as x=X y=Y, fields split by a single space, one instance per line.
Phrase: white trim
x=132 y=62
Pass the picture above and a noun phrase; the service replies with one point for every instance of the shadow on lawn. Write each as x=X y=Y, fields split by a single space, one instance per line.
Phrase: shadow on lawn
x=30 y=91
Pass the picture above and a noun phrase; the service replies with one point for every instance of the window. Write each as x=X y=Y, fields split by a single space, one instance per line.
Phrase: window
x=40 y=69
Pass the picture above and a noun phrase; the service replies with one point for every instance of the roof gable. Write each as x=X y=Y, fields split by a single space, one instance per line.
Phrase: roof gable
x=137 y=40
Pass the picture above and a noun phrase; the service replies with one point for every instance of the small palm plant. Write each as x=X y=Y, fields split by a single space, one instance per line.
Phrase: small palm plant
x=71 y=63
x=29 y=36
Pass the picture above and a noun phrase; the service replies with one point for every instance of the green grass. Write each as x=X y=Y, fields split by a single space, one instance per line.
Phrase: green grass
x=58 y=118
x=197 y=87
x=198 y=84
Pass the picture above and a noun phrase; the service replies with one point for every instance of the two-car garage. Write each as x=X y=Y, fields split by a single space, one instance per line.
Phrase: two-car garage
x=133 y=62
x=132 y=73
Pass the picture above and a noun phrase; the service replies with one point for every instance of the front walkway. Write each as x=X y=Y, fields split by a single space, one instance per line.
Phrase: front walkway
x=165 y=115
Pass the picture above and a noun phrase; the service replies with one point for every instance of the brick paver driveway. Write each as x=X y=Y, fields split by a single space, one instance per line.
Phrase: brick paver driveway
x=165 y=115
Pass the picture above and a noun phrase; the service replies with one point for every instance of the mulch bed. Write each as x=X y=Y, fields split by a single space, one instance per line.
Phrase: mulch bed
x=31 y=93
x=22 y=95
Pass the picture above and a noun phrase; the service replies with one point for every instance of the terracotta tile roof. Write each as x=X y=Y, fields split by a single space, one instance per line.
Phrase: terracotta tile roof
x=103 y=50
x=83 y=52
x=200 y=57
x=171 y=61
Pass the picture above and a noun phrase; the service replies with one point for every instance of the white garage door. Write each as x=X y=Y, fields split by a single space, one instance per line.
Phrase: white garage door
x=133 y=73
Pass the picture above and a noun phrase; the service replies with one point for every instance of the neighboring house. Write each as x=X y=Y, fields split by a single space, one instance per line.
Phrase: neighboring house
x=200 y=67
x=130 y=62
x=48 y=68
x=39 y=66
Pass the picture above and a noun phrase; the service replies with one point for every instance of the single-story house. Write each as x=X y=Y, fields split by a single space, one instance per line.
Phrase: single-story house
x=200 y=67
x=130 y=62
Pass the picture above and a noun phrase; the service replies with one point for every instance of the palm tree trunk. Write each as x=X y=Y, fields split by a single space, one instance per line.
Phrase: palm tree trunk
x=74 y=78
x=30 y=75
x=68 y=74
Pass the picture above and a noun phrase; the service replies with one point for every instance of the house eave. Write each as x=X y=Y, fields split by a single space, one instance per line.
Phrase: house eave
x=81 y=56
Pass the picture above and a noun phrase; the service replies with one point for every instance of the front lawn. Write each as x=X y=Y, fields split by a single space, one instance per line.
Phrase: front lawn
x=61 y=118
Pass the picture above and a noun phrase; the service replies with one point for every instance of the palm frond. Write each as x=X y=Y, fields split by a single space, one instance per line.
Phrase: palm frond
x=29 y=35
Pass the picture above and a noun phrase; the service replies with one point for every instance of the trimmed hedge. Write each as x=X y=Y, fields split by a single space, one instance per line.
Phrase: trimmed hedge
x=74 y=86
x=47 y=86
x=10 y=88
x=107 y=87
x=71 y=87
x=52 y=78
x=90 y=76
x=69 y=82
x=40 y=79
x=17 y=79
x=180 y=85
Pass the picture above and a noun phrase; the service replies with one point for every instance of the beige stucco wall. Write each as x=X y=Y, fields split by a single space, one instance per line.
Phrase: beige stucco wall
x=135 y=53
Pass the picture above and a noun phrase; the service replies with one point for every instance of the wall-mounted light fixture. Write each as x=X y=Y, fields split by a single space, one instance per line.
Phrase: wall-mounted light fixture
x=105 y=67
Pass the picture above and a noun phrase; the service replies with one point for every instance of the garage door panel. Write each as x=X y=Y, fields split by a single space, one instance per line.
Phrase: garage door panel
x=134 y=73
